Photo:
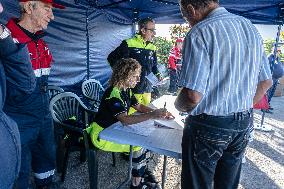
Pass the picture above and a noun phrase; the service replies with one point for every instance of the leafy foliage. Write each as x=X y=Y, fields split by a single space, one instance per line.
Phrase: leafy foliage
x=164 y=45
x=163 y=48
x=178 y=31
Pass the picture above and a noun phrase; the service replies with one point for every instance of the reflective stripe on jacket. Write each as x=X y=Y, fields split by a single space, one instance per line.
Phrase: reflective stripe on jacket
x=144 y=52
x=94 y=131
x=40 y=55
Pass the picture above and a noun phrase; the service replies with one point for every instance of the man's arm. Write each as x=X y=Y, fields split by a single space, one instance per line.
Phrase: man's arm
x=187 y=100
x=17 y=65
x=261 y=89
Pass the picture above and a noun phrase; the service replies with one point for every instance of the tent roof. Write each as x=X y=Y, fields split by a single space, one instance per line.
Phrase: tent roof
x=167 y=11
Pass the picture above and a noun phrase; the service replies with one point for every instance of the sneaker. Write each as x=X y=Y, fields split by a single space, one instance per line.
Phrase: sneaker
x=146 y=185
x=263 y=127
x=142 y=185
x=149 y=176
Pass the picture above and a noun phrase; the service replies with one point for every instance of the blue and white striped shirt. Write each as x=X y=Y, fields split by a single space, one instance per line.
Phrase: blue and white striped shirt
x=224 y=59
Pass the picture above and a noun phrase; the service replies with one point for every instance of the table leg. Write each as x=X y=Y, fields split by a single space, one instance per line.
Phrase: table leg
x=129 y=169
x=164 y=176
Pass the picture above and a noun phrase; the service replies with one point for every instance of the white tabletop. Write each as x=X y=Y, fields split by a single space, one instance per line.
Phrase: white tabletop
x=164 y=141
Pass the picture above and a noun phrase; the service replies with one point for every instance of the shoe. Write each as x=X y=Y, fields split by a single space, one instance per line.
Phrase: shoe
x=142 y=185
x=146 y=185
x=264 y=127
x=149 y=176
x=270 y=108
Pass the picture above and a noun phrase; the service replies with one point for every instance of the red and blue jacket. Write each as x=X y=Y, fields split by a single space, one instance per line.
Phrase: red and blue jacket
x=40 y=55
x=31 y=109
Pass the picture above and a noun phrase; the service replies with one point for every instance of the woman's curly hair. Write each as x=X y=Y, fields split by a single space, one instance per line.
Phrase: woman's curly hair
x=123 y=70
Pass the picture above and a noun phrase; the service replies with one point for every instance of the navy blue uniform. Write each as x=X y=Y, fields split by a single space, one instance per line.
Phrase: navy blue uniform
x=15 y=73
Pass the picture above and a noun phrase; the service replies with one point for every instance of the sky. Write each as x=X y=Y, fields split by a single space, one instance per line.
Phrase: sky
x=266 y=31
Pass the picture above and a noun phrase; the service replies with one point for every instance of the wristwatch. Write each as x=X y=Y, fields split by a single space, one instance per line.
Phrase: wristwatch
x=5 y=32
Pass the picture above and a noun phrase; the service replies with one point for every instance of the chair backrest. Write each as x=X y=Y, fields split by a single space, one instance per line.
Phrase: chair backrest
x=54 y=90
x=93 y=89
x=66 y=105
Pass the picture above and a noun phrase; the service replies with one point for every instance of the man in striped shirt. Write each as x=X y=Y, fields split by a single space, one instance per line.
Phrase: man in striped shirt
x=224 y=72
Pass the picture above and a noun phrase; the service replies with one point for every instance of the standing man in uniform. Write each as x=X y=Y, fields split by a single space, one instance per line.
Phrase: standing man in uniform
x=31 y=112
x=141 y=48
x=15 y=73
x=224 y=72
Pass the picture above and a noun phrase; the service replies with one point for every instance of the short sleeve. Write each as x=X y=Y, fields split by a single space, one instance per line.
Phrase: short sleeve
x=195 y=65
x=265 y=72
x=115 y=106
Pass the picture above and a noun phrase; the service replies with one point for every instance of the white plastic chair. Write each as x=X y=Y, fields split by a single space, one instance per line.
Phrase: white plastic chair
x=93 y=90
x=53 y=90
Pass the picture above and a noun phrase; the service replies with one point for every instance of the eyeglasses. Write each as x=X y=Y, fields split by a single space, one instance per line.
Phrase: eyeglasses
x=152 y=30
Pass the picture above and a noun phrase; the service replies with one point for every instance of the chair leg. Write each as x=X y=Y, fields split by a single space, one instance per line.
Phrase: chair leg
x=65 y=164
x=82 y=155
x=113 y=159
x=93 y=169
x=60 y=151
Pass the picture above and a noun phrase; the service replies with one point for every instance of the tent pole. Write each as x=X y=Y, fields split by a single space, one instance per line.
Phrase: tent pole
x=276 y=43
x=88 y=43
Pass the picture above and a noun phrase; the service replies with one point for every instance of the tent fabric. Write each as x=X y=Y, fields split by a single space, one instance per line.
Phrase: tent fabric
x=86 y=31
x=80 y=40
x=167 y=11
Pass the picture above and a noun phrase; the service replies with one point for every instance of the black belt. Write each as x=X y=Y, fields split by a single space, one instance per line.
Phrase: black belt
x=236 y=116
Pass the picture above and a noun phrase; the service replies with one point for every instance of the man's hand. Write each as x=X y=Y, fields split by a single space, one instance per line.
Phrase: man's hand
x=161 y=114
x=261 y=89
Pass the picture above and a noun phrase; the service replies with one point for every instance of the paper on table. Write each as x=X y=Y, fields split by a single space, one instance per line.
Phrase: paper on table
x=144 y=128
x=168 y=123
x=154 y=80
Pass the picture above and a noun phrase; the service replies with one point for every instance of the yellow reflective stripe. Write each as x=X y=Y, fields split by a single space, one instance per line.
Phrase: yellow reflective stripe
x=115 y=93
x=138 y=42
x=94 y=131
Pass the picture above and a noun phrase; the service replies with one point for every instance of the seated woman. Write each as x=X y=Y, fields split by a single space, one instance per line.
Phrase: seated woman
x=114 y=107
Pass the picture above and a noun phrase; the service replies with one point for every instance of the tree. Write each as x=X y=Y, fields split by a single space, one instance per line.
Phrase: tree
x=178 y=31
x=163 y=49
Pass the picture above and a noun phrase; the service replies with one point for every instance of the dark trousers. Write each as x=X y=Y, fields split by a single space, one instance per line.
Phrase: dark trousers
x=38 y=153
x=173 y=81
x=212 y=150
x=272 y=90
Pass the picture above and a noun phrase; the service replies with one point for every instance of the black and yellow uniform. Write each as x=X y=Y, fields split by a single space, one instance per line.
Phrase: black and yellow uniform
x=145 y=53
x=113 y=103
